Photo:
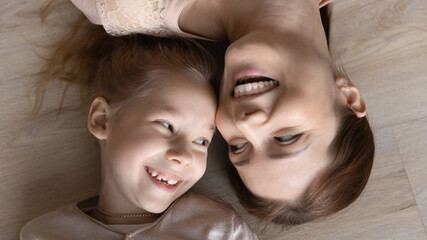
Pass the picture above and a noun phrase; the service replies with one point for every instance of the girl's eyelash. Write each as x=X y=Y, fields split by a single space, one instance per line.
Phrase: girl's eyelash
x=166 y=125
x=202 y=142
x=288 y=139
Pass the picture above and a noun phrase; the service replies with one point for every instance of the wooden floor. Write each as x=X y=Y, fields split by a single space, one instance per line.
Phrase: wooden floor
x=50 y=160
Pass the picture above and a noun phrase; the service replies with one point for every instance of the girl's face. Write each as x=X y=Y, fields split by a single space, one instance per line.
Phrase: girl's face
x=279 y=130
x=155 y=146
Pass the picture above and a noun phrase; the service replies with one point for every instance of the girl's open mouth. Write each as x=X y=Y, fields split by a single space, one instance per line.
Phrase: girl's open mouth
x=163 y=179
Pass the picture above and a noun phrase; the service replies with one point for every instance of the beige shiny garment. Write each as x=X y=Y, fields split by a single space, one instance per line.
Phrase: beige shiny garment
x=190 y=217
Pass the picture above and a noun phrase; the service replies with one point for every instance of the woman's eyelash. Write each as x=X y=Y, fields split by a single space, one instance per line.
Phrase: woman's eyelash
x=237 y=148
x=288 y=139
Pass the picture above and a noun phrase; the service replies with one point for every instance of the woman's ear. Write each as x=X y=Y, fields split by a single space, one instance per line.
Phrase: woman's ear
x=352 y=96
x=99 y=113
x=323 y=3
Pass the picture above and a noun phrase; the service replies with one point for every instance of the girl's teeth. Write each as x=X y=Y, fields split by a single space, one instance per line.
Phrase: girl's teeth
x=163 y=179
x=172 y=182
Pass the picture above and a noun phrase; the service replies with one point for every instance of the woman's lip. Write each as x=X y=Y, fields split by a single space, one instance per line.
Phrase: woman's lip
x=160 y=184
x=247 y=73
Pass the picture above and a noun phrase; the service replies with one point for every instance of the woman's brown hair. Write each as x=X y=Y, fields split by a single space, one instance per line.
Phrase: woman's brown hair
x=118 y=68
x=341 y=183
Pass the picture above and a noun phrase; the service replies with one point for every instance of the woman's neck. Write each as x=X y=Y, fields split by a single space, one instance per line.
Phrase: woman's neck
x=231 y=20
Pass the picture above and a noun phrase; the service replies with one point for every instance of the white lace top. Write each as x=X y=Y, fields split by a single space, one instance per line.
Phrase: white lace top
x=121 y=17
x=152 y=17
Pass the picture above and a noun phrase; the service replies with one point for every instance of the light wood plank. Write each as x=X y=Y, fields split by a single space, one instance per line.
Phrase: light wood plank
x=412 y=140
x=382 y=46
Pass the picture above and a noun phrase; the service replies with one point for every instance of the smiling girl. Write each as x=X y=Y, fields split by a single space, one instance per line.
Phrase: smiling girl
x=152 y=110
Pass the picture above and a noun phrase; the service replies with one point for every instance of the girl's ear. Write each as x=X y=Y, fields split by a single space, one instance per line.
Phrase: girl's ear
x=352 y=96
x=99 y=113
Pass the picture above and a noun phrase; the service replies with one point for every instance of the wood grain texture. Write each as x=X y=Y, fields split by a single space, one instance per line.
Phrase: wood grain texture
x=51 y=160
x=411 y=139
x=382 y=46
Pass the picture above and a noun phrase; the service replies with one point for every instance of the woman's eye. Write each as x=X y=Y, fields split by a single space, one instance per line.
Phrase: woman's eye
x=202 y=142
x=167 y=125
x=238 y=148
x=288 y=139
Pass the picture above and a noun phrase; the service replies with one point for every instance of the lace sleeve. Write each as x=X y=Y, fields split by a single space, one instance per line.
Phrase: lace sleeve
x=121 y=17
x=88 y=8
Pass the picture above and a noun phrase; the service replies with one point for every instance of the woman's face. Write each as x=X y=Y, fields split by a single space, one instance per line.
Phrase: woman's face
x=156 y=146
x=280 y=131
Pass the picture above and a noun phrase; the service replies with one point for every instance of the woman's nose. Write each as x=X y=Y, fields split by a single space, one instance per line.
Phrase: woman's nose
x=250 y=122
x=251 y=117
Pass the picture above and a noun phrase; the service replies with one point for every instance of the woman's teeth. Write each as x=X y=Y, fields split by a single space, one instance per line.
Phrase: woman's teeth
x=163 y=179
x=253 y=88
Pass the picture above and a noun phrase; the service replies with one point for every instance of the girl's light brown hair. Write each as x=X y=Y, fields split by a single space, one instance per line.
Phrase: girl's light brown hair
x=118 y=68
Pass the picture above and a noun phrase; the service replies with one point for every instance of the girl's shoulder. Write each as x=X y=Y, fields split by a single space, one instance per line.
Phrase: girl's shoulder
x=68 y=222
x=191 y=199
x=207 y=217
x=47 y=225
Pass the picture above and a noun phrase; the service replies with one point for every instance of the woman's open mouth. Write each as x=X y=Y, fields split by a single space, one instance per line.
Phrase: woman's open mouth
x=252 y=86
x=162 y=179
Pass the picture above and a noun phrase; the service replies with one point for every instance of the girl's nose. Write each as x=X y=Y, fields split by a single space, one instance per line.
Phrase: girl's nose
x=180 y=155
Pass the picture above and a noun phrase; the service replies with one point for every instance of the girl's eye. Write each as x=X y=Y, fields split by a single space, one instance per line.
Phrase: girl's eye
x=167 y=125
x=288 y=139
x=202 y=142
x=238 y=148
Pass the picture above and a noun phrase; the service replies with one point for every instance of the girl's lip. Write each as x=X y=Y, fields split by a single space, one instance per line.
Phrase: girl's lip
x=160 y=184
